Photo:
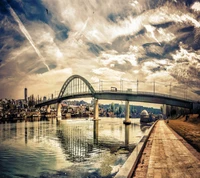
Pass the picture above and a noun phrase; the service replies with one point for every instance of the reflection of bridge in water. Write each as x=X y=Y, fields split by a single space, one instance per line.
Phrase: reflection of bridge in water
x=71 y=142
x=76 y=143
x=151 y=92
x=79 y=142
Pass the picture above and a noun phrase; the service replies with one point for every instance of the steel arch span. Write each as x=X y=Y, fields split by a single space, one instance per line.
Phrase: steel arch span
x=76 y=84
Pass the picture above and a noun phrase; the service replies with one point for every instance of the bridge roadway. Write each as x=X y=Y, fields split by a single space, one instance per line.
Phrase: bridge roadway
x=149 y=97
x=167 y=155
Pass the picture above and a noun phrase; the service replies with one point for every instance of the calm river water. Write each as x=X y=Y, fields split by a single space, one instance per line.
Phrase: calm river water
x=74 y=148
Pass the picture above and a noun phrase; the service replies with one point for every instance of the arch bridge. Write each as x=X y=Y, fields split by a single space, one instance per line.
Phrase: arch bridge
x=77 y=86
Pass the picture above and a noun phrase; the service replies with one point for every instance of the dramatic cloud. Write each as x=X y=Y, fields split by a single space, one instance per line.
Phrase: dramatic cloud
x=44 y=42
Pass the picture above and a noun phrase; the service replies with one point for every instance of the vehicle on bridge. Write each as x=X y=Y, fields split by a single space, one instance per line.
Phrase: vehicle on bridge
x=113 y=88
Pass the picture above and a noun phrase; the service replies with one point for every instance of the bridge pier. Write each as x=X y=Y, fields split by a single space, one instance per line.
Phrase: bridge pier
x=59 y=115
x=48 y=109
x=96 y=110
x=127 y=111
x=164 y=110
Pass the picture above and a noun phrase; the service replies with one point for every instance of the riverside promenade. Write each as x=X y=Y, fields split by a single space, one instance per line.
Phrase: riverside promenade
x=167 y=155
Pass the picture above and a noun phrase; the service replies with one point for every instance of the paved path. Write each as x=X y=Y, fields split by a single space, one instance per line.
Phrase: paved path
x=165 y=156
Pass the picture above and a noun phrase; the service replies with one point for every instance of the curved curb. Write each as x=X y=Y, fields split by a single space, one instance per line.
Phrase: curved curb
x=129 y=166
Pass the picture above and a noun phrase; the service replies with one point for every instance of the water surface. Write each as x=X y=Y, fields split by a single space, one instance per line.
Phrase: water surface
x=74 y=148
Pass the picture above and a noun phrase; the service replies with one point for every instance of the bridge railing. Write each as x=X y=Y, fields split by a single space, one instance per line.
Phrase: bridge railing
x=145 y=93
x=144 y=86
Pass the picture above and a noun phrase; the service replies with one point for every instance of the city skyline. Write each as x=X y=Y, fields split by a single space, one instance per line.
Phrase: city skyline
x=45 y=42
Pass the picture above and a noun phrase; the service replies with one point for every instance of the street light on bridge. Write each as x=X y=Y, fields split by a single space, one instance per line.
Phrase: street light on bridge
x=170 y=89
x=121 y=84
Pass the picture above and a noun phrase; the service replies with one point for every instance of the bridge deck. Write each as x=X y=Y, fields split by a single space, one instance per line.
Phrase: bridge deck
x=166 y=156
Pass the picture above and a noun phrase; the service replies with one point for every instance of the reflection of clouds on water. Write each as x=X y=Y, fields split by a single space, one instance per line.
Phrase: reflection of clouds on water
x=105 y=166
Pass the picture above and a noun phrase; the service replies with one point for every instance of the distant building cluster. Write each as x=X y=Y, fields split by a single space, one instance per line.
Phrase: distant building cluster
x=9 y=104
x=105 y=110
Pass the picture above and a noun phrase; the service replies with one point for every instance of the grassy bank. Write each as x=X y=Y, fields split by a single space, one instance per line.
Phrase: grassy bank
x=189 y=129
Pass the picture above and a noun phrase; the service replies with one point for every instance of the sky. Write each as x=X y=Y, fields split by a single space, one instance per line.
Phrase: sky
x=43 y=42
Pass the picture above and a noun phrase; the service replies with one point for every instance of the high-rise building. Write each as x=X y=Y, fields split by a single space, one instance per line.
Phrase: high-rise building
x=25 y=94
x=44 y=98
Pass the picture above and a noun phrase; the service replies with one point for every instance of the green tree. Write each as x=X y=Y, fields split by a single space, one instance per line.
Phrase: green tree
x=131 y=109
x=120 y=109
x=112 y=107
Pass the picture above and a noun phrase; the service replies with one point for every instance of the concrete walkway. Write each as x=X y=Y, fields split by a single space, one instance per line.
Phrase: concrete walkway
x=165 y=156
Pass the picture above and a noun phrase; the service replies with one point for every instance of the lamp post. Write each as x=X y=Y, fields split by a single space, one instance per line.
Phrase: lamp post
x=186 y=93
x=170 y=90
x=99 y=84
x=121 y=84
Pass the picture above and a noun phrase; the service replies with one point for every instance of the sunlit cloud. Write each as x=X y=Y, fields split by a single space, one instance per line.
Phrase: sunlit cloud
x=196 y=6
x=107 y=59
x=105 y=73
x=134 y=3
x=187 y=68
x=151 y=30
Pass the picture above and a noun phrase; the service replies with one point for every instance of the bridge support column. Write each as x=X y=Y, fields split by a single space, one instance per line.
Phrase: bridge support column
x=127 y=119
x=59 y=115
x=48 y=110
x=96 y=110
x=164 y=111
x=40 y=109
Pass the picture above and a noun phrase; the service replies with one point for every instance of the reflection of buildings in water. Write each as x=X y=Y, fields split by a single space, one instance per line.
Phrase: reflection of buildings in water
x=15 y=129
x=31 y=130
x=26 y=133
x=10 y=131
x=37 y=129
x=74 y=143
